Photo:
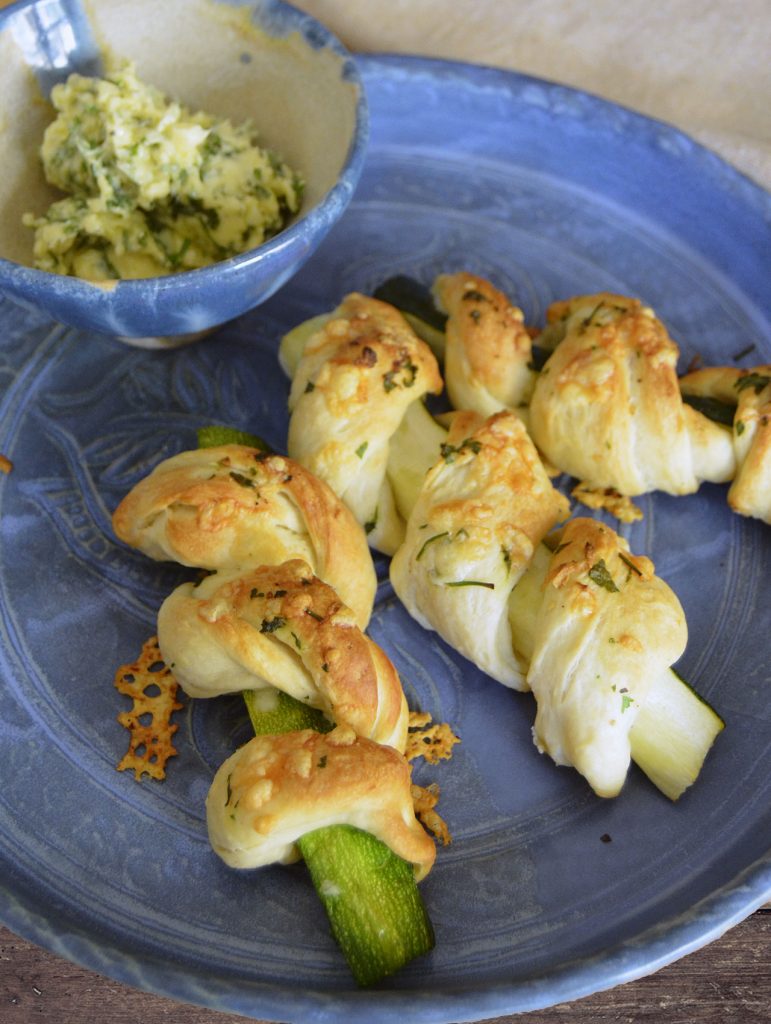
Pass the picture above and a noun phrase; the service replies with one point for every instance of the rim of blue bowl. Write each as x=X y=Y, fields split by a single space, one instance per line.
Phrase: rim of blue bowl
x=280 y=18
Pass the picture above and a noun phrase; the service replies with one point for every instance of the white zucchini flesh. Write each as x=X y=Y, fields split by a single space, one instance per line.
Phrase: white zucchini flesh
x=414 y=449
x=433 y=337
x=673 y=733
x=525 y=601
x=293 y=343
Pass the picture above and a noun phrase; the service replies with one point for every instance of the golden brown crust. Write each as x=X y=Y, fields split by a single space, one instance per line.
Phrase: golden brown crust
x=750 y=492
x=276 y=788
x=607 y=407
x=712 y=382
x=354 y=382
x=606 y=628
x=482 y=510
x=488 y=347
x=232 y=506
x=281 y=626
x=503 y=470
x=750 y=391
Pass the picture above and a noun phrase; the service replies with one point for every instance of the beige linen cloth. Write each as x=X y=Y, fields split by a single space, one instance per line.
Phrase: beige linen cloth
x=701 y=65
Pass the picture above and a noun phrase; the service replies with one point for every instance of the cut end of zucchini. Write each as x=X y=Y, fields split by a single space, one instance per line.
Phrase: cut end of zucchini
x=673 y=733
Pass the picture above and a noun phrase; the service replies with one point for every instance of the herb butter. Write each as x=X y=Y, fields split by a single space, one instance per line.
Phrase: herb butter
x=153 y=188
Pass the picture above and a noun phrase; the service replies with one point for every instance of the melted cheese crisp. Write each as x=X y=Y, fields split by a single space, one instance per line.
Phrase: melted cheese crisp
x=153 y=187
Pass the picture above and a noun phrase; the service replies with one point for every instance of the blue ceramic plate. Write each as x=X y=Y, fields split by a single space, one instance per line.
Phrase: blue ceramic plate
x=549 y=192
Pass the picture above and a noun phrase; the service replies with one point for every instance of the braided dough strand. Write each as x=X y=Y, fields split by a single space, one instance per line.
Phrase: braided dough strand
x=355 y=380
x=606 y=627
x=607 y=407
x=750 y=391
x=483 y=508
x=232 y=506
x=487 y=358
x=280 y=626
x=275 y=789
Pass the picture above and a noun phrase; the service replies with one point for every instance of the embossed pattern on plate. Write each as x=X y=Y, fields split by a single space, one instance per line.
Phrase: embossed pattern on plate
x=549 y=193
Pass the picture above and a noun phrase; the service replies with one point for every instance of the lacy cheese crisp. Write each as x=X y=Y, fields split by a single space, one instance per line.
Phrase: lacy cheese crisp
x=153 y=689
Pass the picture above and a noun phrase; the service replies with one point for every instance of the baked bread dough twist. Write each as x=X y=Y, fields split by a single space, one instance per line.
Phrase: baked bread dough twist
x=607 y=407
x=487 y=361
x=229 y=507
x=280 y=626
x=275 y=789
x=253 y=625
x=354 y=382
x=750 y=391
x=605 y=629
x=483 y=509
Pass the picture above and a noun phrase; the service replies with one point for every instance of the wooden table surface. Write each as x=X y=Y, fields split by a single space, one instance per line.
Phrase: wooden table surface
x=727 y=981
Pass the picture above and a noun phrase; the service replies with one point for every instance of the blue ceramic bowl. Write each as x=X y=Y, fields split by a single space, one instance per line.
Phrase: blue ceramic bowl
x=260 y=60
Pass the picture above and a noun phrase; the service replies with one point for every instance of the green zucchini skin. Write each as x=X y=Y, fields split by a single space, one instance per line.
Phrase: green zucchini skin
x=212 y=435
x=712 y=408
x=410 y=296
x=538 y=357
x=374 y=908
x=285 y=715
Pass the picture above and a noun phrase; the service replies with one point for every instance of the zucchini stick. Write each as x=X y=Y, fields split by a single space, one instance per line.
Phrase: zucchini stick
x=675 y=728
x=672 y=734
x=375 y=910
